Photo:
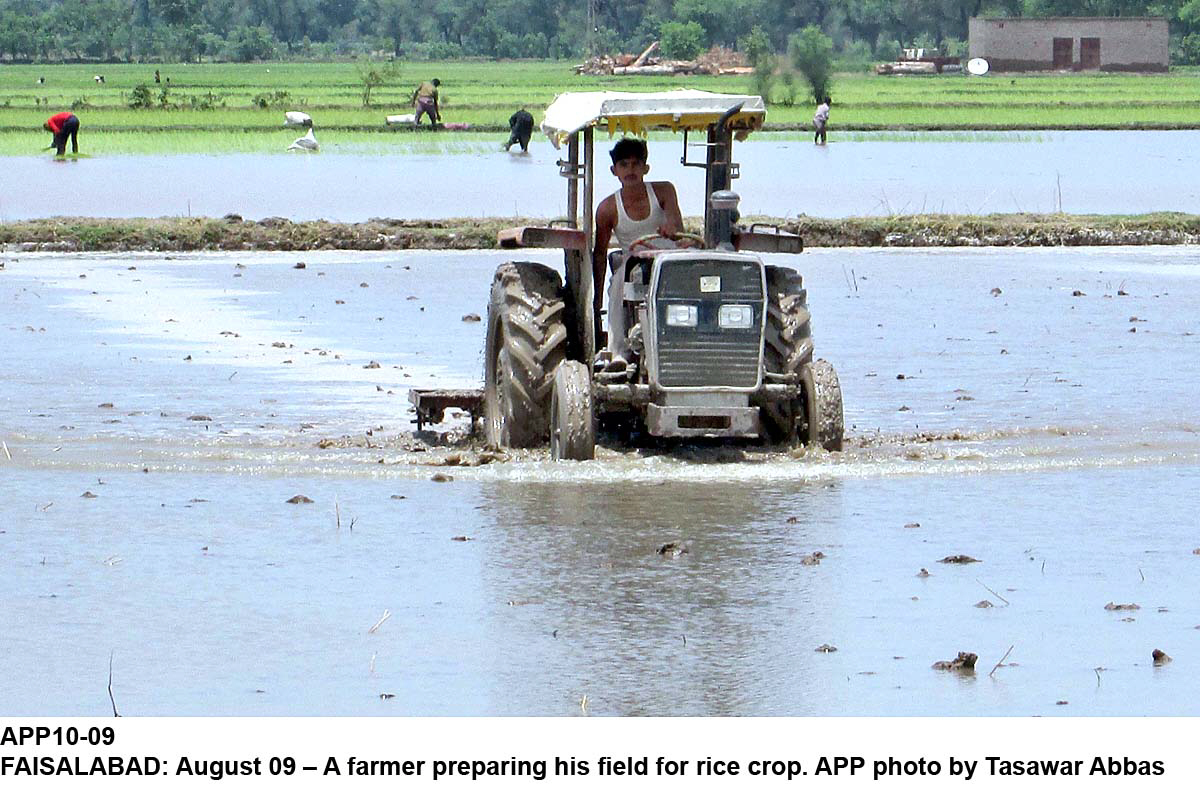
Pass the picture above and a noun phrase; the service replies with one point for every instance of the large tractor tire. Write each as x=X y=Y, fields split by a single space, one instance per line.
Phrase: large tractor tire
x=787 y=346
x=572 y=416
x=526 y=341
x=814 y=418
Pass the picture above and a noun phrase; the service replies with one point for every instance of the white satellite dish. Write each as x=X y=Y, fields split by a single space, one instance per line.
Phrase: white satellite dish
x=977 y=66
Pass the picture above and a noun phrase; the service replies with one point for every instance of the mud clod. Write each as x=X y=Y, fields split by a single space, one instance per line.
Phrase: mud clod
x=89 y=494
x=964 y=663
x=441 y=477
x=1160 y=657
x=672 y=549
x=299 y=499
x=958 y=559
x=1124 y=606
x=984 y=604
x=199 y=418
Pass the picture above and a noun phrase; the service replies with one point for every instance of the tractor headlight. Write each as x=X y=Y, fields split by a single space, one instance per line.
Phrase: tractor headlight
x=685 y=315
x=735 y=316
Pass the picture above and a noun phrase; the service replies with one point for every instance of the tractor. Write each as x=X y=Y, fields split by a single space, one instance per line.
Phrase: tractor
x=721 y=341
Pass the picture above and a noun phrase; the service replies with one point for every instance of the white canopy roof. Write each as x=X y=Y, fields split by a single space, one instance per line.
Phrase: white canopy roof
x=636 y=113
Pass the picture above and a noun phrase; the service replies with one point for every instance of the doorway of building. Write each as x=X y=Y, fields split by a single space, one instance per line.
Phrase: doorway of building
x=1063 y=49
x=1089 y=53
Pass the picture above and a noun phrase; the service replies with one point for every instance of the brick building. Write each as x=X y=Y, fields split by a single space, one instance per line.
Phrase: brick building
x=1071 y=43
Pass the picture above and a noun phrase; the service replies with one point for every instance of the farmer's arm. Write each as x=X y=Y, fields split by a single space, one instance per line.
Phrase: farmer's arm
x=669 y=200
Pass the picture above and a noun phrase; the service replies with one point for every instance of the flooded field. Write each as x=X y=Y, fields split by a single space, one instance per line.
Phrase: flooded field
x=1032 y=409
x=857 y=174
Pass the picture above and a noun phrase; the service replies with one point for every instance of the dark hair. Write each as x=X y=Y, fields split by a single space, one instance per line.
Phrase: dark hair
x=629 y=148
x=437 y=82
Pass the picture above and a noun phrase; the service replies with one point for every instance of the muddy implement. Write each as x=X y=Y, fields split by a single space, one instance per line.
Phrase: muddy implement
x=431 y=404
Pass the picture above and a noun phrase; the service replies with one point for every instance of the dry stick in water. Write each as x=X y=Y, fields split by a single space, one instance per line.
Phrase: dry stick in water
x=386 y=615
x=993 y=593
x=111 y=699
x=1001 y=662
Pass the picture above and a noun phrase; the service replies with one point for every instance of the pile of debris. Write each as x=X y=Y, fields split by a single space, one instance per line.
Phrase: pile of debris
x=921 y=61
x=717 y=60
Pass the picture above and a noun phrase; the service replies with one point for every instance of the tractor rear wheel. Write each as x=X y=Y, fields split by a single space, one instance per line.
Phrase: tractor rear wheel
x=787 y=346
x=526 y=341
x=572 y=417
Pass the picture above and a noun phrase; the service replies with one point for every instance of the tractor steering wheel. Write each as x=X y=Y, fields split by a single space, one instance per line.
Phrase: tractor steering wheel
x=681 y=241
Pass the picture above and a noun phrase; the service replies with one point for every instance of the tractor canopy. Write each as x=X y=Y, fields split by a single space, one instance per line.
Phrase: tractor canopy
x=637 y=113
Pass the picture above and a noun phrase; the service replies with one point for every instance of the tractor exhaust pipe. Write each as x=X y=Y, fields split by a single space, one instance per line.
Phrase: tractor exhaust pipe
x=721 y=212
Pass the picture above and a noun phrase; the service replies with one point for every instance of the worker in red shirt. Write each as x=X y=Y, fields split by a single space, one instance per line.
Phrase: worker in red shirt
x=63 y=125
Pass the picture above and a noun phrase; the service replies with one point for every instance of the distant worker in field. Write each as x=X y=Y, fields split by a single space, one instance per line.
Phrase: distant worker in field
x=425 y=99
x=820 y=119
x=62 y=126
x=520 y=127
x=637 y=210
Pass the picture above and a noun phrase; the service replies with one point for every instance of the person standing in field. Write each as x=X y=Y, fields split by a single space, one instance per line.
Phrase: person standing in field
x=425 y=99
x=819 y=120
x=62 y=126
x=520 y=126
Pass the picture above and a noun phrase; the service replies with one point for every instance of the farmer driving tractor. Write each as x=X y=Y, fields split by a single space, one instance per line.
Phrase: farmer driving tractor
x=636 y=210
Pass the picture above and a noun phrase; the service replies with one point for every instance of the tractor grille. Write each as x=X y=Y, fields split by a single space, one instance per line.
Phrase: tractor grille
x=707 y=354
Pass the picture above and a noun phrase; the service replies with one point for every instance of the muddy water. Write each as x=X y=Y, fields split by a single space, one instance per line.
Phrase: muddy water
x=784 y=175
x=1031 y=430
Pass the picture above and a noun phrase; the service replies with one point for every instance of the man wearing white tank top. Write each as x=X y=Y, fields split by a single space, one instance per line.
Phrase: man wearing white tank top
x=639 y=208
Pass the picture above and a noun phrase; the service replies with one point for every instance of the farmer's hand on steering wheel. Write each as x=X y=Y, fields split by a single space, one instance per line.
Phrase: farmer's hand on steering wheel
x=681 y=241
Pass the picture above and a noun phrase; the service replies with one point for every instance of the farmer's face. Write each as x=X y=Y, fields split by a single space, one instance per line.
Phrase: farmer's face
x=630 y=171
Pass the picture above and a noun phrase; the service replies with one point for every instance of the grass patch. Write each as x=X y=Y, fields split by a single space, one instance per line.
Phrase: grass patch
x=184 y=234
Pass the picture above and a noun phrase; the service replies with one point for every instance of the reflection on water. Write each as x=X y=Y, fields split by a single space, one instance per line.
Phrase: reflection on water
x=783 y=175
x=158 y=414
x=662 y=599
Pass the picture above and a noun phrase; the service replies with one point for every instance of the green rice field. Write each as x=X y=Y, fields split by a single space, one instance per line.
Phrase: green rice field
x=218 y=107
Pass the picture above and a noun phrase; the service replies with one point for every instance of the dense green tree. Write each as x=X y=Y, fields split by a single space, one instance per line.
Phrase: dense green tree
x=811 y=53
x=247 y=29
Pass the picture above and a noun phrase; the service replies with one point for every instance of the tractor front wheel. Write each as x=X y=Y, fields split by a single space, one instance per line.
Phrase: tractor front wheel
x=572 y=417
x=824 y=422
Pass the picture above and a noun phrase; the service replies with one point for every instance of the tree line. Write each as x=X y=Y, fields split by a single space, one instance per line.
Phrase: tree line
x=247 y=30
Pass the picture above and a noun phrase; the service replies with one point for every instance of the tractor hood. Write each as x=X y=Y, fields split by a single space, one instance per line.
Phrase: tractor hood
x=637 y=113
